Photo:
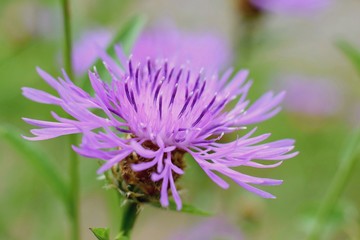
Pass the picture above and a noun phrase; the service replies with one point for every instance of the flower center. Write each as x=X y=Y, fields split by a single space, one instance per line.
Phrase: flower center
x=139 y=185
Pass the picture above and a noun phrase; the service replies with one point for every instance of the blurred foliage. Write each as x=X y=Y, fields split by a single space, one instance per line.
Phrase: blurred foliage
x=36 y=158
x=351 y=53
x=29 y=209
x=124 y=39
x=101 y=233
x=186 y=208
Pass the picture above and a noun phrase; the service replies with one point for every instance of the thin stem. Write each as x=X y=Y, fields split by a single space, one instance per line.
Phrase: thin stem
x=246 y=41
x=130 y=214
x=67 y=37
x=73 y=204
x=347 y=165
x=74 y=191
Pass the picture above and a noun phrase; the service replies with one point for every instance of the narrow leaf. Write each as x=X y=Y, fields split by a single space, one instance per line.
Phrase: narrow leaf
x=36 y=158
x=120 y=236
x=101 y=233
x=345 y=170
x=128 y=34
x=186 y=208
x=350 y=52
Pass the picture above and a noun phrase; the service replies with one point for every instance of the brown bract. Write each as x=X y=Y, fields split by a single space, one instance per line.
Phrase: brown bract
x=138 y=185
x=247 y=9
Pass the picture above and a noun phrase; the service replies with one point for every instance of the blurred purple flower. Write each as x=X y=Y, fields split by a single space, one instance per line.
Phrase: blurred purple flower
x=311 y=96
x=353 y=114
x=212 y=229
x=162 y=42
x=200 y=49
x=166 y=111
x=291 y=6
x=86 y=49
x=22 y=20
x=43 y=20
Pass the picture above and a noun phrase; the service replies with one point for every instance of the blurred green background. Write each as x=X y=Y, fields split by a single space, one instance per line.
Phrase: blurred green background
x=31 y=35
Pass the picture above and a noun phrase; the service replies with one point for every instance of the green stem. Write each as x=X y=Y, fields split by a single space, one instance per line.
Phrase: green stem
x=74 y=191
x=246 y=41
x=345 y=170
x=73 y=204
x=130 y=214
x=67 y=38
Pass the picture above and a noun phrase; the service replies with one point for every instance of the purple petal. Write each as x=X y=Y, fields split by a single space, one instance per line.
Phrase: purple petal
x=113 y=161
x=40 y=96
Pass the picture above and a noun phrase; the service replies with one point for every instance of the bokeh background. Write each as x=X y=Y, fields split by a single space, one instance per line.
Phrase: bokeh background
x=297 y=52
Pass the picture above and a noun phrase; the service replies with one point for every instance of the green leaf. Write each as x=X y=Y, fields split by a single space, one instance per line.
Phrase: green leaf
x=186 y=208
x=350 y=52
x=125 y=37
x=128 y=34
x=345 y=170
x=37 y=159
x=120 y=236
x=101 y=233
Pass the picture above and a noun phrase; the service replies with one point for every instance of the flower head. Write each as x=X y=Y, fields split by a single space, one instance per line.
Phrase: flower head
x=202 y=50
x=155 y=112
x=23 y=21
x=290 y=6
x=211 y=229
x=86 y=49
x=324 y=98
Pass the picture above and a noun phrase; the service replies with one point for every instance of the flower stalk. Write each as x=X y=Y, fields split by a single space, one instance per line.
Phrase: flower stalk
x=74 y=191
x=250 y=18
x=73 y=204
x=346 y=168
x=67 y=37
x=130 y=214
x=246 y=42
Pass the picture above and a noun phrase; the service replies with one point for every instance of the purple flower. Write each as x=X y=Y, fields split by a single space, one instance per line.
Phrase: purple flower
x=312 y=96
x=86 y=49
x=212 y=229
x=166 y=42
x=22 y=21
x=353 y=114
x=201 y=49
x=290 y=6
x=154 y=113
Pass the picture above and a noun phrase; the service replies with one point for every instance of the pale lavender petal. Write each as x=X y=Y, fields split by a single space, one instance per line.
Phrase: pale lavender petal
x=146 y=153
x=175 y=193
x=146 y=165
x=48 y=78
x=45 y=124
x=40 y=96
x=114 y=160
x=256 y=190
x=85 y=49
x=164 y=198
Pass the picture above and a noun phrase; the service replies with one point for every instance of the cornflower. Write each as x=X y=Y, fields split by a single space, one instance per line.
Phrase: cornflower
x=151 y=113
